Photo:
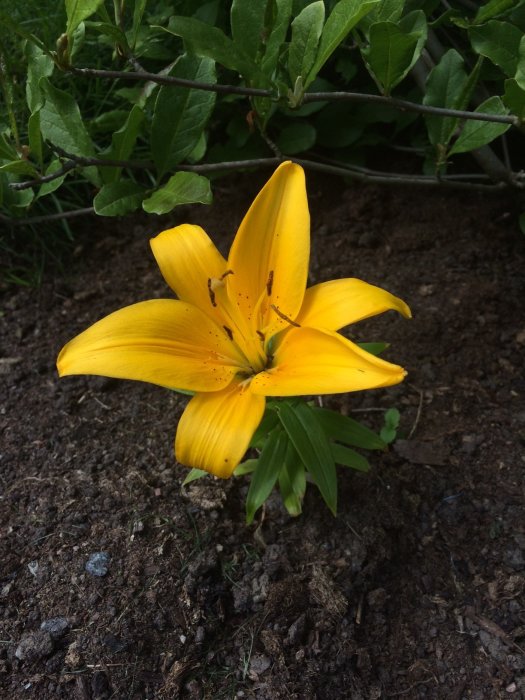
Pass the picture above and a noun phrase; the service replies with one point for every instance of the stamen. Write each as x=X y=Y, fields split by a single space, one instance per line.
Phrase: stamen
x=261 y=335
x=211 y=293
x=269 y=284
x=284 y=317
x=228 y=272
x=229 y=332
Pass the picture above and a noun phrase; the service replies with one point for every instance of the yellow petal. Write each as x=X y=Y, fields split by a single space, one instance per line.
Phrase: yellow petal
x=310 y=361
x=215 y=430
x=162 y=341
x=269 y=256
x=333 y=305
x=188 y=259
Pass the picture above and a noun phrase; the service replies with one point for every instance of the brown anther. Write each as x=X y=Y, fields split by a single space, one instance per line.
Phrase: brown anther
x=284 y=317
x=229 y=332
x=228 y=272
x=269 y=284
x=261 y=335
x=211 y=293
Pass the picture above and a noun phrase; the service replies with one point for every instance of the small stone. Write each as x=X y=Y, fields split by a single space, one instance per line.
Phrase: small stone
x=97 y=564
x=258 y=665
x=511 y=688
x=34 y=646
x=55 y=626
x=33 y=568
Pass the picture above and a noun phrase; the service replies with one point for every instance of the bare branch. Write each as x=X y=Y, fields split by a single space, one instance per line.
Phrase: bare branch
x=46 y=217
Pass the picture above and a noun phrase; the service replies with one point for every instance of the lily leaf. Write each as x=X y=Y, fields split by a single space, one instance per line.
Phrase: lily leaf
x=266 y=472
x=313 y=448
x=350 y=458
x=347 y=430
x=193 y=475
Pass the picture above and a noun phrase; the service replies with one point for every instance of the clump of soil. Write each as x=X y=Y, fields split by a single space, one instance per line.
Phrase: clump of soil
x=115 y=583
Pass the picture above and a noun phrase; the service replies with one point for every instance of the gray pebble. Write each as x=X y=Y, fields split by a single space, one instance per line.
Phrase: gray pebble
x=55 y=626
x=34 y=646
x=97 y=564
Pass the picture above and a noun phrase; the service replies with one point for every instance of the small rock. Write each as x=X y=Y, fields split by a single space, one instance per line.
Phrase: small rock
x=114 y=644
x=55 y=626
x=73 y=657
x=97 y=564
x=34 y=646
x=258 y=665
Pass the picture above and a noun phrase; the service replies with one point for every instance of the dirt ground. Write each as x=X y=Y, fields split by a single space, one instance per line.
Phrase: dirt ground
x=115 y=583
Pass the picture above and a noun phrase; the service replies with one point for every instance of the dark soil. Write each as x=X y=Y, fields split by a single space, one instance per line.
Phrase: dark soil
x=416 y=590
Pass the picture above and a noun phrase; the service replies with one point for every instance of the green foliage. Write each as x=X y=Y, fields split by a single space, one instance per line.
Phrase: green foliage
x=56 y=115
x=389 y=430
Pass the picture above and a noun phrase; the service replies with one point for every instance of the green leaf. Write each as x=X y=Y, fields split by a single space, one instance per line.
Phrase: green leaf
x=280 y=13
x=118 y=198
x=345 y=15
x=123 y=143
x=292 y=482
x=181 y=188
x=313 y=448
x=53 y=185
x=266 y=472
x=347 y=430
x=386 y=11
x=203 y=40
x=193 y=475
x=499 y=42
x=394 y=48
x=19 y=167
x=39 y=65
x=350 y=458
x=492 y=9
x=109 y=30
x=267 y=424
x=306 y=32
x=246 y=467
x=34 y=137
x=476 y=134
x=61 y=121
x=514 y=98
x=7 y=151
x=138 y=11
x=520 y=69
x=445 y=88
x=374 y=348
x=79 y=10
x=181 y=114
x=296 y=137
x=247 y=22
x=389 y=430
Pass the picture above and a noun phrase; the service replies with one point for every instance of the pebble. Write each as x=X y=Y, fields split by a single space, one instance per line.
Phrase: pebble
x=55 y=626
x=34 y=646
x=97 y=564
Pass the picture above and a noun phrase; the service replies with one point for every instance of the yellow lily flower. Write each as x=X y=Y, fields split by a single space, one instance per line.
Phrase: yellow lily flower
x=241 y=329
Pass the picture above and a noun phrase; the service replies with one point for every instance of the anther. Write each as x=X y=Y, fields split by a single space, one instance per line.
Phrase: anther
x=284 y=317
x=228 y=272
x=211 y=293
x=229 y=332
x=261 y=335
x=269 y=284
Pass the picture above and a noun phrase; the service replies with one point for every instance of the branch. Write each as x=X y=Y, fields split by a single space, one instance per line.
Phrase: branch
x=169 y=80
x=402 y=105
x=407 y=106
x=47 y=217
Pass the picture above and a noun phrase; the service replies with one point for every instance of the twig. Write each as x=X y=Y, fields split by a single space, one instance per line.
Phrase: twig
x=403 y=105
x=48 y=217
x=407 y=106
x=169 y=80
x=419 y=409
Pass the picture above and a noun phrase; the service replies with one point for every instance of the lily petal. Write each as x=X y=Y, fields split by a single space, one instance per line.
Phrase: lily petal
x=335 y=304
x=162 y=341
x=188 y=258
x=311 y=361
x=270 y=253
x=215 y=430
